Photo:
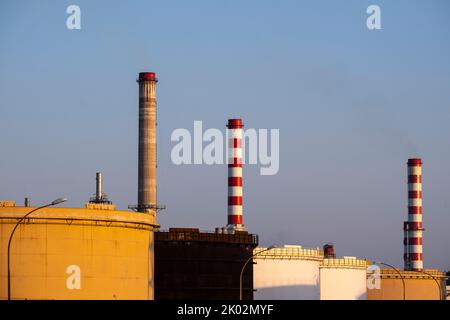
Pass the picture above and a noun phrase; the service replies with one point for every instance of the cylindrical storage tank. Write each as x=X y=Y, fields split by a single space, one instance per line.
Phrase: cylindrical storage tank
x=68 y=253
x=428 y=284
x=343 y=279
x=288 y=273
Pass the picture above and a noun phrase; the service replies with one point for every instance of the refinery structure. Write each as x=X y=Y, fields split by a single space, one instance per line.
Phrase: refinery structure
x=96 y=252
x=99 y=252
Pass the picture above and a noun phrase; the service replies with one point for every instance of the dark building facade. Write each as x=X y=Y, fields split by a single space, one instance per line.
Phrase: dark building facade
x=194 y=265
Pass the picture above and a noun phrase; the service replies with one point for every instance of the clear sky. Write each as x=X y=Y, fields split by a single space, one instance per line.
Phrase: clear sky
x=352 y=106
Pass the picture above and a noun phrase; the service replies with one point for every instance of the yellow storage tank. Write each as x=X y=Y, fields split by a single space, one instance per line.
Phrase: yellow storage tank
x=70 y=253
x=428 y=284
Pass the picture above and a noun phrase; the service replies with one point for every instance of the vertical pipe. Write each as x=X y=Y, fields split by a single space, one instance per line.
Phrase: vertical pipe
x=413 y=227
x=98 y=189
x=147 y=142
x=406 y=246
x=235 y=221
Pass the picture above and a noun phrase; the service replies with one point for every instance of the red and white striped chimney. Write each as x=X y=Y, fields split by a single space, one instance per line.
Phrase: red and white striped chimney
x=235 y=221
x=413 y=227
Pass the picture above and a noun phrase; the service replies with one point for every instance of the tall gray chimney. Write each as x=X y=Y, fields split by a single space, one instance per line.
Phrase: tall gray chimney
x=147 y=142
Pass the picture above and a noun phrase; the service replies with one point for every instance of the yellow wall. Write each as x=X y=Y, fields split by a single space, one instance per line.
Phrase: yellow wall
x=418 y=286
x=113 y=250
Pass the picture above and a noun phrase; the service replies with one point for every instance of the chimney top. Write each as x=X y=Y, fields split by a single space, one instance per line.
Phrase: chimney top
x=147 y=76
x=235 y=124
x=414 y=162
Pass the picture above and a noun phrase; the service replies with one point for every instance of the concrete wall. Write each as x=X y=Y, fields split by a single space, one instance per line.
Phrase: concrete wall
x=64 y=253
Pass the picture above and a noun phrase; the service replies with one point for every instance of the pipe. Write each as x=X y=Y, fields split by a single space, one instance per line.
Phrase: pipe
x=98 y=189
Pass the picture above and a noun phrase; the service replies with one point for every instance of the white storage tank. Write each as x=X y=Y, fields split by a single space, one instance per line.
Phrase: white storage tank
x=343 y=279
x=287 y=273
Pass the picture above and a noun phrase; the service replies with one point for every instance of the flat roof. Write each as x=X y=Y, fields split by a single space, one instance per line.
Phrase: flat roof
x=81 y=215
x=195 y=235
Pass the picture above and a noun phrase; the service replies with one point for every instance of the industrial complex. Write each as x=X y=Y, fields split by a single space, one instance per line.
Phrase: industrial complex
x=99 y=252
x=96 y=252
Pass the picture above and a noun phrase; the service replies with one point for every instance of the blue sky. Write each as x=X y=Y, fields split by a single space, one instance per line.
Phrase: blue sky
x=352 y=106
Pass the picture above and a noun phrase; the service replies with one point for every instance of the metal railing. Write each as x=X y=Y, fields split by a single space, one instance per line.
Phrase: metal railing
x=426 y=273
x=345 y=262
x=206 y=236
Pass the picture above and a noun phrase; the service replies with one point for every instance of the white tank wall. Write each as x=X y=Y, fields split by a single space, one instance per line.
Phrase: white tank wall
x=343 y=284
x=286 y=279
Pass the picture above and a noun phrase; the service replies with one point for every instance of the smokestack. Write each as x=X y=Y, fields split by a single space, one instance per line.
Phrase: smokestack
x=98 y=189
x=99 y=197
x=147 y=142
x=235 y=222
x=413 y=227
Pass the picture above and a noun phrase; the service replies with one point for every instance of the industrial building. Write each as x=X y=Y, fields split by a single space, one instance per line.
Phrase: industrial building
x=294 y=272
x=96 y=252
x=194 y=265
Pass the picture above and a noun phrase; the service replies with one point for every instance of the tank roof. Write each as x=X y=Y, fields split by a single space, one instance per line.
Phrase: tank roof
x=289 y=252
x=345 y=262
x=70 y=215
x=427 y=274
